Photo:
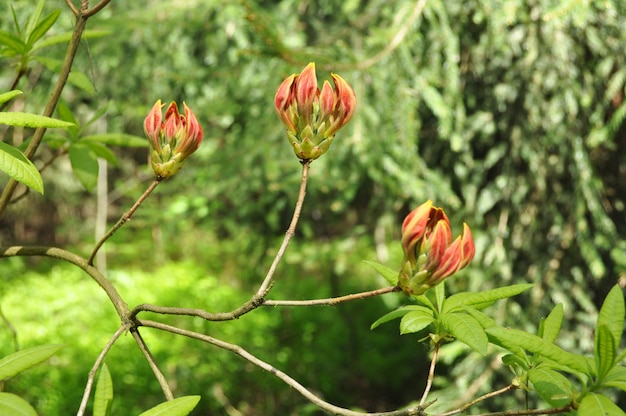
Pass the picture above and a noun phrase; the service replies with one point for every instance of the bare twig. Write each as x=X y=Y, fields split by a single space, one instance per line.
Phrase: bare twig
x=236 y=349
x=125 y=218
x=118 y=303
x=332 y=301
x=485 y=397
x=94 y=369
x=431 y=373
x=152 y=363
x=553 y=411
x=265 y=286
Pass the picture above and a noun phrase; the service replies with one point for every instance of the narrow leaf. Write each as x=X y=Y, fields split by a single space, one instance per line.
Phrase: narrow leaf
x=21 y=360
x=398 y=313
x=16 y=118
x=481 y=300
x=84 y=164
x=599 y=404
x=416 y=320
x=181 y=406
x=440 y=296
x=390 y=275
x=612 y=314
x=604 y=351
x=34 y=18
x=67 y=36
x=127 y=140
x=551 y=325
x=104 y=393
x=553 y=387
x=514 y=339
x=466 y=329
x=15 y=164
x=8 y=95
x=616 y=378
x=12 y=42
x=11 y=404
x=42 y=27
x=101 y=151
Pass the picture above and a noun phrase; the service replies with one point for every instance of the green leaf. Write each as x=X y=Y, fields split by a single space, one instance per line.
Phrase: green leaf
x=127 y=140
x=553 y=387
x=82 y=81
x=16 y=118
x=612 y=314
x=604 y=351
x=466 y=329
x=9 y=95
x=390 y=275
x=514 y=339
x=398 y=313
x=598 y=404
x=514 y=359
x=181 y=406
x=84 y=164
x=416 y=320
x=616 y=378
x=440 y=296
x=15 y=164
x=481 y=300
x=33 y=19
x=104 y=393
x=12 y=42
x=42 y=27
x=13 y=405
x=101 y=151
x=550 y=327
x=21 y=360
x=67 y=36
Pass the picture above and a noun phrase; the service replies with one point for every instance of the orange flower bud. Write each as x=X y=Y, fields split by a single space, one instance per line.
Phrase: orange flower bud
x=312 y=117
x=173 y=139
x=430 y=255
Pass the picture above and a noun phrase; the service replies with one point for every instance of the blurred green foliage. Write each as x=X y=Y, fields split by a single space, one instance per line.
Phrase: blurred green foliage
x=510 y=115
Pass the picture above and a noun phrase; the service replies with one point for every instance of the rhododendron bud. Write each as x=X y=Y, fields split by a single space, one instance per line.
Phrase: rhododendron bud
x=172 y=139
x=312 y=117
x=430 y=255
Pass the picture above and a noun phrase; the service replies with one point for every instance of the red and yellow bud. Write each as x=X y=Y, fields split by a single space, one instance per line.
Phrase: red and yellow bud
x=172 y=139
x=430 y=255
x=312 y=117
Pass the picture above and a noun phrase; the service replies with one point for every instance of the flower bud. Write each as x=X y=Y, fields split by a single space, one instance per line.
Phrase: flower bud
x=430 y=255
x=173 y=139
x=312 y=117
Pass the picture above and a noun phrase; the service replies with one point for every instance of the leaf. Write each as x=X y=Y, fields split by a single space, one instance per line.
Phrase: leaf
x=599 y=404
x=21 y=360
x=82 y=81
x=181 y=406
x=553 y=387
x=127 y=140
x=67 y=36
x=42 y=27
x=550 y=327
x=416 y=320
x=612 y=314
x=390 y=275
x=12 y=42
x=466 y=329
x=9 y=95
x=616 y=378
x=16 y=118
x=104 y=393
x=15 y=164
x=102 y=151
x=604 y=351
x=514 y=339
x=481 y=300
x=13 y=405
x=84 y=164
x=440 y=296
x=398 y=313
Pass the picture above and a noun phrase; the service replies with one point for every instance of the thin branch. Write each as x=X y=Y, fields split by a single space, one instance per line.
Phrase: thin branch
x=553 y=411
x=264 y=288
x=480 y=399
x=236 y=349
x=95 y=9
x=72 y=8
x=431 y=373
x=332 y=301
x=16 y=345
x=125 y=218
x=153 y=365
x=94 y=369
x=118 y=303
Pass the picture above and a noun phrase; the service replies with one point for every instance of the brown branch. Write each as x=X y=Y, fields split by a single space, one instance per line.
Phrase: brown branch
x=431 y=373
x=553 y=411
x=125 y=218
x=480 y=399
x=152 y=363
x=94 y=369
x=332 y=301
x=236 y=349
x=265 y=286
